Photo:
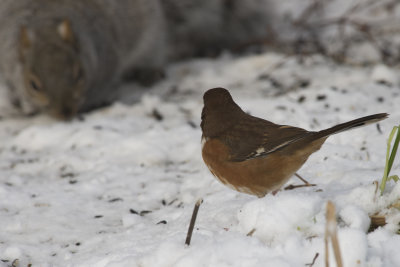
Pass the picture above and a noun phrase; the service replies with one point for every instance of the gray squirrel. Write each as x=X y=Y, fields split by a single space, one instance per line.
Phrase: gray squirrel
x=66 y=57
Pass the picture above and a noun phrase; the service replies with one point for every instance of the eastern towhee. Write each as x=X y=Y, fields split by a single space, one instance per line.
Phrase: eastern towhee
x=256 y=156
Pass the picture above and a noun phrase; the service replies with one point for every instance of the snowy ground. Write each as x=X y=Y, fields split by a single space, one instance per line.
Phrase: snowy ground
x=118 y=188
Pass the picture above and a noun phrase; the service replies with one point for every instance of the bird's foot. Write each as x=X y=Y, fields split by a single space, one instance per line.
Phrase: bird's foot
x=306 y=183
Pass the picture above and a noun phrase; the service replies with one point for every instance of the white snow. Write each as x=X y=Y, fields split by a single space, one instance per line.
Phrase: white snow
x=118 y=188
x=355 y=217
x=382 y=73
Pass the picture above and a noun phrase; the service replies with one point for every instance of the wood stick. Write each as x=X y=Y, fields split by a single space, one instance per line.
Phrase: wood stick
x=313 y=261
x=326 y=241
x=331 y=232
x=193 y=221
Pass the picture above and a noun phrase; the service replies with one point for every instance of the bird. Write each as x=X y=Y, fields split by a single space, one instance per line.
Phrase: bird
x=255 y=156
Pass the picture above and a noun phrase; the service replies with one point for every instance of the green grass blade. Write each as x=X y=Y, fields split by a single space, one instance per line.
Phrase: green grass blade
x=394 y=149
x=390 y=156
x=394 y=178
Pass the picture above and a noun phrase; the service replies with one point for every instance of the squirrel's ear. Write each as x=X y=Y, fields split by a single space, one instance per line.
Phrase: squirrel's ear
x=65 y=31
x=25 y=42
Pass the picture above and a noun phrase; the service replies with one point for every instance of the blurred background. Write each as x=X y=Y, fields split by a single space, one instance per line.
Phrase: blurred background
x=66 y=58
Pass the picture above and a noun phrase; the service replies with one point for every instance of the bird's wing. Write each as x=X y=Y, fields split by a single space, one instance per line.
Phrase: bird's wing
x=256 y=137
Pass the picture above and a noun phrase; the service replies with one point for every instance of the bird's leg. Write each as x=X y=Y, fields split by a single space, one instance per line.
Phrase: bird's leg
x=304 y=180
x=290 y=187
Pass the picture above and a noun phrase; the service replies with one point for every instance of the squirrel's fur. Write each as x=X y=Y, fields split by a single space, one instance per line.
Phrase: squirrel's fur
x=65 y=57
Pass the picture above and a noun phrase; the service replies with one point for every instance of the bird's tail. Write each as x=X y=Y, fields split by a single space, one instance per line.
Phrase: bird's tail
x=351 y=124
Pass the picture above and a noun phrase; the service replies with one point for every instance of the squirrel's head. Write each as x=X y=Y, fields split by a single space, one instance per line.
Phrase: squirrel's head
x=54 y=76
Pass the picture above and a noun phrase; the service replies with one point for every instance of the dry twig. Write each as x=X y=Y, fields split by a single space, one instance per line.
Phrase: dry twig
x=193 y=221
x=331 y=233
x=251 y=232
x=313 y=261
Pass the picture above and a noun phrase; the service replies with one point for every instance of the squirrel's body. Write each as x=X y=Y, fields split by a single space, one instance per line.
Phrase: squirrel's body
x=65 y=57
x=75 y=51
